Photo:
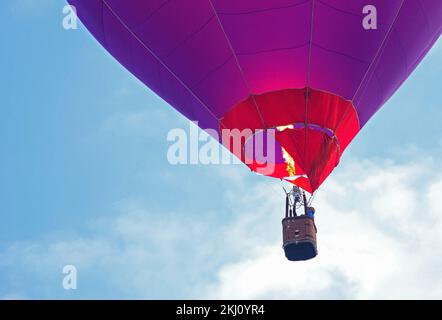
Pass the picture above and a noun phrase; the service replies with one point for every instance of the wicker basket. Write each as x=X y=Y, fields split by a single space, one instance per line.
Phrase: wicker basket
x=299 y=238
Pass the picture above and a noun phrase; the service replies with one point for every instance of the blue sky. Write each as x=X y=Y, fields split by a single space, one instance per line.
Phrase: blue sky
x=84 y=180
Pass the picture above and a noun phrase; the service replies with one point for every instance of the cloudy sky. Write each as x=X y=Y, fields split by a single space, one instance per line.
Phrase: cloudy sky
x=84 y=181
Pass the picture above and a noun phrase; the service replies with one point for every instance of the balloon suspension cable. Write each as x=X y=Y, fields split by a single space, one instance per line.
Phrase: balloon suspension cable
x=312 y=197
x=288 y=192
x=283 y=188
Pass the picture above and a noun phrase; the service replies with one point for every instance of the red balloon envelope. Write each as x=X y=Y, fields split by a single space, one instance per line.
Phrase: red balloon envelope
x=307 y=68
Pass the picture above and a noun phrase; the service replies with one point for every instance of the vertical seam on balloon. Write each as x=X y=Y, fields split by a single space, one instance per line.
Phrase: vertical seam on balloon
x=307 y=91
x=238 y=65
x=373 y=62
x=161 y=62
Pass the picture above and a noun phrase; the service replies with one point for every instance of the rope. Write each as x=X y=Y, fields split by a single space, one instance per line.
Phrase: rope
x=240 y=69
x=310 y=201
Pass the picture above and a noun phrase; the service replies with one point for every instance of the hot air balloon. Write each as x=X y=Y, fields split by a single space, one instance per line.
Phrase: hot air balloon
x=308 y=72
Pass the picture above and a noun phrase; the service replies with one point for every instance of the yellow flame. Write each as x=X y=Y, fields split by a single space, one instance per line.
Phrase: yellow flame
x=289 y=162
x=282 y=128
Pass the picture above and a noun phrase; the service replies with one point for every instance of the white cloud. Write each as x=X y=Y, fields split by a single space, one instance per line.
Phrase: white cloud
x=380 y=235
